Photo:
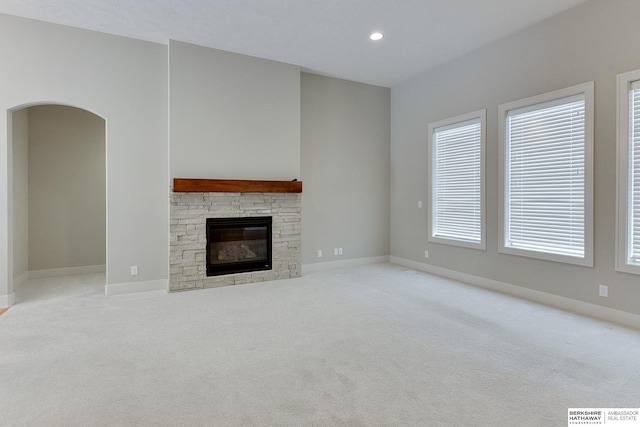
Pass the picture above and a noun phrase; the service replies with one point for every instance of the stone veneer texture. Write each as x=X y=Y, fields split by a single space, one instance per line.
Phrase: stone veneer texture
x=188 y=236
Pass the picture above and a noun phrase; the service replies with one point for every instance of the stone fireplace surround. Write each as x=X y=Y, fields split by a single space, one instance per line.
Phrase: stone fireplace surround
x=187 y=243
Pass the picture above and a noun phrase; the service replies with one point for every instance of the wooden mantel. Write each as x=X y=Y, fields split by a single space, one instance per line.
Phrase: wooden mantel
x=189 y=185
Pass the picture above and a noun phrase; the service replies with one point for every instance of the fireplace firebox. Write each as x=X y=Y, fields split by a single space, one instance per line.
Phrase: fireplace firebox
x=238 y=245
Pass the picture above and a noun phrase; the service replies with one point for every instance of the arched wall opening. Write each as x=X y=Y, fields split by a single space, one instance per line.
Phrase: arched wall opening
x=58 y=182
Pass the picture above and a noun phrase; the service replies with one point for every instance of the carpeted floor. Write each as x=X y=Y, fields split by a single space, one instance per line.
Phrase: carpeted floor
x=369 y=346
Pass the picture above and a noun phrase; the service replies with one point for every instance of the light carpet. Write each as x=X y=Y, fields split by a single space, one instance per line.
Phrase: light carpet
x=376 y=345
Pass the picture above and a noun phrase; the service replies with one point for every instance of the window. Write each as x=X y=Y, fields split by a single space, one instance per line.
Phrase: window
x=628 y=219
x=456 y=175
x=546 y=176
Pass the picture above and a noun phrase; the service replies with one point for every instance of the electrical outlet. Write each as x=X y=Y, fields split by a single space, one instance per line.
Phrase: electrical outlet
x=604 y=291
x=339 y=251
x=134 y=270
x=335 y=251
x=419 y=203
x=426 y=254
x=319 y=253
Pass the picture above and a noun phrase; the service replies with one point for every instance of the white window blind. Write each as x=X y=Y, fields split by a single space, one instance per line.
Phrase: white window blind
x=457 y=181
x=633 y=198
x=545 y=177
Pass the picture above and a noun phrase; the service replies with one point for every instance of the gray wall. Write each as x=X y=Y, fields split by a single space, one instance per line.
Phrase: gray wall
x=20 y=130
x=594 y=41
x=67 y=194
x=232 y=116
x=125 y=82
x=345 y=169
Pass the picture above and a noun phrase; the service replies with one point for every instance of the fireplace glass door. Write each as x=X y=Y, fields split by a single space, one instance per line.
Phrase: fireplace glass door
x=237 y=245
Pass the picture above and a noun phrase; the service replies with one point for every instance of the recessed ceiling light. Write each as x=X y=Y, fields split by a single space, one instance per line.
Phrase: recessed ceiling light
x=376 y=36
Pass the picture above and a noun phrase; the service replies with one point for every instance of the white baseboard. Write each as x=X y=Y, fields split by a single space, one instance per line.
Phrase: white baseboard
x=136 y=287
x=68 y=271
x=20 y=280
x=332 y=265
x=7 y=300
x=568 y=304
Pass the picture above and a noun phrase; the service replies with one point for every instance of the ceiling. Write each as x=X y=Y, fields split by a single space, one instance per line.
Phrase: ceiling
x=324 y=36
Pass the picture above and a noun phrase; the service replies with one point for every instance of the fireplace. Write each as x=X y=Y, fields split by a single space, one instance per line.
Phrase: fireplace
x=238 y=245
x=188 y=242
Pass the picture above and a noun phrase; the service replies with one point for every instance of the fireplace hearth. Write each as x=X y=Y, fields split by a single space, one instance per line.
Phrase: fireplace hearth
x=238 y=245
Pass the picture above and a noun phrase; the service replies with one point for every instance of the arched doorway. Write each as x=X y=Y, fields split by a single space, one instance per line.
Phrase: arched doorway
x=59 y=200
